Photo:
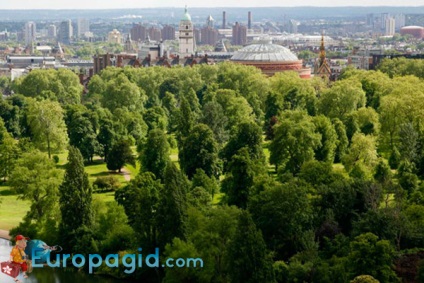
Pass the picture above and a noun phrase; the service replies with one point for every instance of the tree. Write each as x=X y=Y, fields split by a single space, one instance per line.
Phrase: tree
x=171 y=215
x=36 y=178
x=121 y=92
x=80 y=131
x=364 y=279
x=245 y=135
x=362 y=151
x=342 y=140
x=75 y=199
x=249 y=260
x=9 y=152
x=47 y=125
x=372 y=256
x=106 y=137
x=327 y=150
x=341 y=99
x=155 y=154
x=140 y=200
x=200 y=150
x=119 y=155
x=283 y=212
x=238 y=182
x=295 y=141
x=214 y=117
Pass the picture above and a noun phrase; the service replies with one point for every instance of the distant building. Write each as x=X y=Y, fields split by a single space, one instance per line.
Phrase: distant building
x=155 y=34
x=138 y=32
x=415 y=31
x=52 y=31
x=390 y=26
x=30 y=33
x=322 y=67
x=186 y=35
x=270 y=59
x=197 y=36
x=293 y=26
x=65 y=32
x=83 y=26
x=168 y=32
x=210 y=21
x=209 y=35
x=384 y=17
x=239 y=34
x=114 y=37
x=400 y=20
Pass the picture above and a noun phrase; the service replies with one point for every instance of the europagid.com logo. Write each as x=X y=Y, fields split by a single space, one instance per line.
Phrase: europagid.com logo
x=130 y=261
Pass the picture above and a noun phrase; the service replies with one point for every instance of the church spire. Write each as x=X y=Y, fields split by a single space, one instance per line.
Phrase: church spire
x=322 y=50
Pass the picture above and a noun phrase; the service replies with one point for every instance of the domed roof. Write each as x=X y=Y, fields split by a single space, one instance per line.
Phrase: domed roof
x=266 y=52
x=186 y=16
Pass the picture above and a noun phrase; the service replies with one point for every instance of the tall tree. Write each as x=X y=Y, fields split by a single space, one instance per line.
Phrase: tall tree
x=247 y=135
x=75 y=198
x=200 y=150
x=249 y=260
x=47 y=125
x=214 y=117
x=155 y=154
x=9 y=151
x=295 y=141
x=172 y=207
x=36 y=178
x=119 y=155
x=327 y=150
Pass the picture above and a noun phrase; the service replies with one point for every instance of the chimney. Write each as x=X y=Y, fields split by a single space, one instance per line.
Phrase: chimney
x=249 y=20
x=224 y=20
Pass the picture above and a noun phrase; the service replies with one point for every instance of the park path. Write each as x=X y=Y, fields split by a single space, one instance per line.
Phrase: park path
x=127 y=174
x=4 y=234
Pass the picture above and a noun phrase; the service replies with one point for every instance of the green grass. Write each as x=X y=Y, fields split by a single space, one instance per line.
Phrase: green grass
x=12 y=211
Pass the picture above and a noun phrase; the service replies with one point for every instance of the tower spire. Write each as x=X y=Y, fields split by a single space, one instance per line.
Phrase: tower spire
x=322 y=50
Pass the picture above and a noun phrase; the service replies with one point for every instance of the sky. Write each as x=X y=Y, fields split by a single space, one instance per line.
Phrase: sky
x=111 y=4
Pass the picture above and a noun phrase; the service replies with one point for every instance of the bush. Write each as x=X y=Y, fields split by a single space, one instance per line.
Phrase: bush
x=106 y=184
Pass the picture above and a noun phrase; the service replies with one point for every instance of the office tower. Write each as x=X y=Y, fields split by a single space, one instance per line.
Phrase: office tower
x=239 y=34
x=390 y=26
x=83 y=26
x=224 y=20
x=52 y=31
x=168 y=32
x=65 y=32
x=400 y=20
x=249 y=20
x=138 y=32
x=30 y=33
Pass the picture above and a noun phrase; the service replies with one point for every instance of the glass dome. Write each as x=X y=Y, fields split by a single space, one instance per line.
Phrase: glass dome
x=265 y=52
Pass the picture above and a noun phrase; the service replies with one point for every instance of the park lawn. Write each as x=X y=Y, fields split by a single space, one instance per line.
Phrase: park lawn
x=98 y=168
x=12 y=211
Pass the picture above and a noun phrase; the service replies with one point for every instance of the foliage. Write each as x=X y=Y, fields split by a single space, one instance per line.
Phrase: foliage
x=155 y=154
x=119 y=155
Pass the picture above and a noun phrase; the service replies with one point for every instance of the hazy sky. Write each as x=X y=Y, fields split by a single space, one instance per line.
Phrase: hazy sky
x=108 y=4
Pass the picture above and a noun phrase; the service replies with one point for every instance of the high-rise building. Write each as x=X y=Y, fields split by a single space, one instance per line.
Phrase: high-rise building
x=239 y=34
x=197 y=36
x=138 y=32
x=249 y=20
x=209 y=35
x=168 y=32
x=224 y=20
x=390 y=26
x=186 y=35
x=114 y=37
x=384 y=17
x=155 y=34
x=370 y=19
x=400 y=21
x=210 y=21
x=30 y=33
x=52 y=31
x=293 y=26
x=83 y=26
x=65 y=32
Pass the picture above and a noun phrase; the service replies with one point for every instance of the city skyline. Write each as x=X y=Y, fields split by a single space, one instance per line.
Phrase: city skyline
x=109 y=4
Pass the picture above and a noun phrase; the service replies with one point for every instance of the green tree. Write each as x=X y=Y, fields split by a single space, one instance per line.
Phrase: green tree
x=200 y=150
x=341 y=99
x=140 y=200
x=238 y=183
x=364 y=279
x=47 y=125
x=342 y=140
x=245 y=135
x=295 y=141
x=119 y=155
x=372 y=256
x=362 y=151
x=75 y=199
x=214 y=117
x=249 y=261
x=155 y=154
x=171 y=215
x=9 y=152
x=121 y=92
x=36 y=178
x=106 y=137
x=327 y=150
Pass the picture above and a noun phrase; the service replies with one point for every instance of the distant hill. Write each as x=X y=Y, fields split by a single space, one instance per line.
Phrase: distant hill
x=172 y=15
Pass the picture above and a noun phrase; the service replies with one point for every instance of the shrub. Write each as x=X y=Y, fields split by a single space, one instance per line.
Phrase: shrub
x=106 y=184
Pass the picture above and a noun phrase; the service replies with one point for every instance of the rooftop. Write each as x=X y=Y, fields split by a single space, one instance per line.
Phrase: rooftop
x=265 y=52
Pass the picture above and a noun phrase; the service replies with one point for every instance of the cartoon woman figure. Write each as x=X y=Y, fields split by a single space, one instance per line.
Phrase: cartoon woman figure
x=18 y=255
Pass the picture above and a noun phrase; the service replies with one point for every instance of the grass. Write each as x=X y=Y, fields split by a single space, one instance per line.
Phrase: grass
x=12 y=211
